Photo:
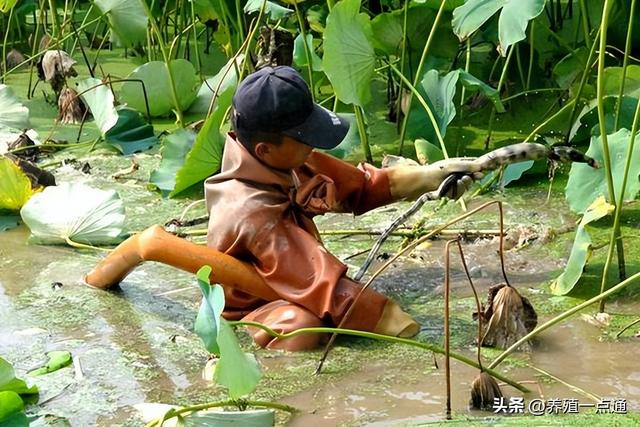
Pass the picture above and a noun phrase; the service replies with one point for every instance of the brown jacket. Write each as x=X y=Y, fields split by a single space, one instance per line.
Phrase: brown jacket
x=264 y=216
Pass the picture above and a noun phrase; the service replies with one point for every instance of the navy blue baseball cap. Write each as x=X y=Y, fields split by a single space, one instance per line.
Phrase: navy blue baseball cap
x=277 y=100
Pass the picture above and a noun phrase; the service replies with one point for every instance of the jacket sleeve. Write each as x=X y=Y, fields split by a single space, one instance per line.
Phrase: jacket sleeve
x=300 y=270
x=357 y=189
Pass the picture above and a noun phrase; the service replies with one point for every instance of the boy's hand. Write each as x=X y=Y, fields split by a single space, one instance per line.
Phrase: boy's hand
x=409 y=182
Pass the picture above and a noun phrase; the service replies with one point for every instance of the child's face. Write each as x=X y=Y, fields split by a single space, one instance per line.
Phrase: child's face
x=287 y=155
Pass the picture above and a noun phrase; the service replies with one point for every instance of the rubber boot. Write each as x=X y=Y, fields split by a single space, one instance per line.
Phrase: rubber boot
x=155 y=244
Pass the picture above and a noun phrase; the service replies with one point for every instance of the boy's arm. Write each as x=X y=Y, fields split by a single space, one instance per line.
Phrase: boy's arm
x=357 y=189
x=360 y=189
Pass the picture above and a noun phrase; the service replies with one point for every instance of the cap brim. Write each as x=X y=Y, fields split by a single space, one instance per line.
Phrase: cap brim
x=322 y=129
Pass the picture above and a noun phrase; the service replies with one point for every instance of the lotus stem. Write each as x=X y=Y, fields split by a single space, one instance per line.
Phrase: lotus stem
x=403 y=251
x=4 y=43
x=583 y=82
x=603 y=134
x=630 y=325
x=476 y=300
x=574 y=388
x=77 y=245
x=379 y=337
x=585 y=23
x=362 y=130
x=55 y=24
x=561 y=317
x=503 y=75
x=625 y=64
x=417 y=77
x=447 y=365
x=531 y=51
x=424 y=104
x=615 y=233
x=307 y=49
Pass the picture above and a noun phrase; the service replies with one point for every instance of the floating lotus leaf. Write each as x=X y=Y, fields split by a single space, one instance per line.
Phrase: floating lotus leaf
x=76 y=212
x=156 y=81
x=207 y=324
x=13 y=114
x=100 y=100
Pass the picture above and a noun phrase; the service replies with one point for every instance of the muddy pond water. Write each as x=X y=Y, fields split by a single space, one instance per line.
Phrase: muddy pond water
x=136 y=344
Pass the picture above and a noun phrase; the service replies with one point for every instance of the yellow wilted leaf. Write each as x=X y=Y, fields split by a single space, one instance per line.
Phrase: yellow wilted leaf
x=15 y=186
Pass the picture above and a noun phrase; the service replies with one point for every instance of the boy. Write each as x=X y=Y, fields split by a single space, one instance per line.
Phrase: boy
x=262 y=202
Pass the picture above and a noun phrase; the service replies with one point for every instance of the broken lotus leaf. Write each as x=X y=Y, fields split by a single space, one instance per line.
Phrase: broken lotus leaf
x=207 y=324
x=15 y=186
x=75 y=212
x=581 y=249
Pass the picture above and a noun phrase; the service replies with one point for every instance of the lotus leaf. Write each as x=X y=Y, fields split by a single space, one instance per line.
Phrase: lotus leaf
x=6 y=5
x=155 y=77
x=351 y=141
x=207 y=325
x=13 y=114
x=349 y=57
x=581 y=250
x=205 y=156
x=11 y=407
x=587 y=124
x=274 y=10
x=131 y=132
x=228 y=74
x=57 y=360
x=236 y=370
x=15 y=186
x=76 y=212
x=586 y=184
x=300 y=54
x=514 y=17
x=426 y=152
x=127 y=19
x=613 y=76
x=9 y=382
x=174 y=150
x=100 y=100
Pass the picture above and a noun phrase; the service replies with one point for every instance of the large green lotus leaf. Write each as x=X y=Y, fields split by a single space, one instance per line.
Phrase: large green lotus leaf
x=439 y=92
x=13 y=114
x=207 y=325
x=388 y=33
x=471 y=15
x=581 y=250
x=228 y=75
x=351 y=141
x=300 y=54
x=156 y=81
x=613 y=77
x=100 y=100
x=131 y=132
x=6 y=5
x=174 y=150
x=586 y=184
x=274 y=10
x=57 y=360
x=207 y=10
x=236 y=370
x=349 y=57
x=10 y=405
x=15 y=186
x=514 y=17
x=9 y=382
x=588 y=125
x=206 y=154
x=127 y=19
x=76 y=212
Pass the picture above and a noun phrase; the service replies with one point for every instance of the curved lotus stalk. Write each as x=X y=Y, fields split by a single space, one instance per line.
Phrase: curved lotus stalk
x=155 y=244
